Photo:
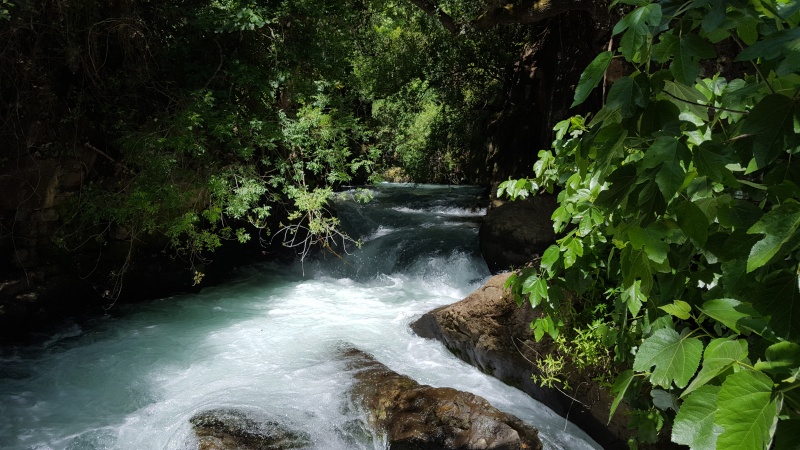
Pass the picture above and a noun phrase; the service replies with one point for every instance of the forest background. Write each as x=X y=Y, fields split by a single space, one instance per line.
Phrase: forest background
x=199 y=123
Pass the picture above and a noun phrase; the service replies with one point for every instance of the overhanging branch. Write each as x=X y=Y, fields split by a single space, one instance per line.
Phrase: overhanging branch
x=500 y=12
x=532 y=11
x=434 y=10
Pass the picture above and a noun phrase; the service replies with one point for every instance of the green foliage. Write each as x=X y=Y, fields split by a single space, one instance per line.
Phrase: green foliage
x=431 y=93
x=5 y=9
x=256 y=129
x=679 y=210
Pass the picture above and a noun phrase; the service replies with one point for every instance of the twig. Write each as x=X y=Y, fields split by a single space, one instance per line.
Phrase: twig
x=106 y=155
x=718 y=108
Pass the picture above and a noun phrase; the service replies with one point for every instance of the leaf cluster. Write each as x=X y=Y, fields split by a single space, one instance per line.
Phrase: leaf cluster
x=679 y=209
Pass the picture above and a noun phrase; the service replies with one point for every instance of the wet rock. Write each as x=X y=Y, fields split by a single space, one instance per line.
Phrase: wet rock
x=230 y=429
x=514 y=233
x=420 y=417
x=488 y=330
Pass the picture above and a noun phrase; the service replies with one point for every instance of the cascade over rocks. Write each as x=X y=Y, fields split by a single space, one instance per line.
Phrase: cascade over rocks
x=420 y=417
x=230 y=429
x=514 y=233
x=488 y=330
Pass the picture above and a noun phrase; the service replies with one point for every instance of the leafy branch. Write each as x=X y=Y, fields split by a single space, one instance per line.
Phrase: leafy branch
x=693 y=233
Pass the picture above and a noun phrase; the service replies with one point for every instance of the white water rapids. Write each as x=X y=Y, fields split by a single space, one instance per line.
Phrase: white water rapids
x=266 y=342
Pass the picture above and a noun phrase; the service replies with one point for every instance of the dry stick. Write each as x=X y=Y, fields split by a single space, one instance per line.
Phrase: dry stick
x=106 y=155
x=219 y=66
x=605 y=73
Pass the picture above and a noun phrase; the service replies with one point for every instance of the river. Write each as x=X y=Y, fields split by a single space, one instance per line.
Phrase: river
x=265 y=342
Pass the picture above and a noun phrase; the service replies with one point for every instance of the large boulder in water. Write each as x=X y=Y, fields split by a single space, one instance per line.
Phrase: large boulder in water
x=514 y=233
x=230 y=429
x=420 y=417
x=488 y=330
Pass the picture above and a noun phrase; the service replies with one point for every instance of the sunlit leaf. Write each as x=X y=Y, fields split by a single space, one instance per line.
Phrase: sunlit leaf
x=719 y=355
x=783 y=359
x=694 y=425
x=728 y=311
x=746 y=410
x=678 y=308
x=674 y=358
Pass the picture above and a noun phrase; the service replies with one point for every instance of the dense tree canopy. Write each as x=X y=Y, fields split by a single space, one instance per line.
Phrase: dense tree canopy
x=229 y=120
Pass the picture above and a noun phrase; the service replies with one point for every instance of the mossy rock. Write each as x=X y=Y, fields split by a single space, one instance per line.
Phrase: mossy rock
x=228 y=429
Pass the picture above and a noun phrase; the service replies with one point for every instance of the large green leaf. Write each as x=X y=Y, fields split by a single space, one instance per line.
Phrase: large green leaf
x=619 y=388
x=635 y=265
x=685 y=51
x=660 y=118
x=779 y=226
x=692 y=221
x=719 y=355
x=687 y=98
x=637 y=25
x=746 y=410
x=625 y=96
x=694 y=425
x=674 y=357
x=773 y=46
x=591 y=76
x=666 y=153
x=622 y=181
x=678 y=308
x=737 y=246
x=651 y=241
x=770 y=121
x=728 y=311
x=779 y=298
x=711 y=159
x=740 y=214
x=715 y=16
x=783 y=359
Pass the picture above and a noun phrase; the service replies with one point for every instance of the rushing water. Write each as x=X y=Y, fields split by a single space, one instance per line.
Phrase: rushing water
x=266 y=342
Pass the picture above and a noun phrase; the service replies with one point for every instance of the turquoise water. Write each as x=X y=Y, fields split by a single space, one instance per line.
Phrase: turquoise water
x=266 y=342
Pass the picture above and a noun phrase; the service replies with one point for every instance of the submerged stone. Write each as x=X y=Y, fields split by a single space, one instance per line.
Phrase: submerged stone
x=229 y=429
x=421 y=417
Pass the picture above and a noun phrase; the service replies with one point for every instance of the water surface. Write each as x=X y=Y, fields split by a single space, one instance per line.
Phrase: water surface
x=266 y=343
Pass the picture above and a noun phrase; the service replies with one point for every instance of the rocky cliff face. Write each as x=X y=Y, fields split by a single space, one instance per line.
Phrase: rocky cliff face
x=37 y=284
x=488 y=330
x=43 y=280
